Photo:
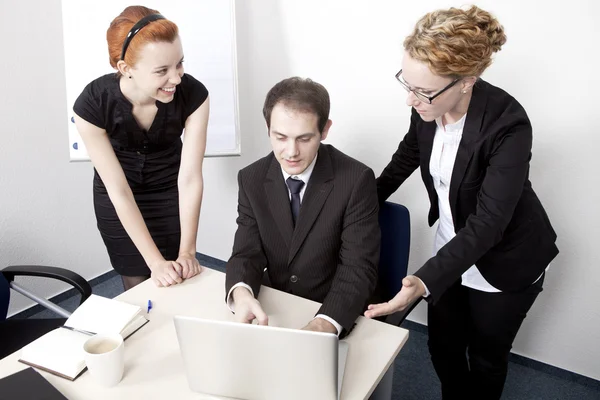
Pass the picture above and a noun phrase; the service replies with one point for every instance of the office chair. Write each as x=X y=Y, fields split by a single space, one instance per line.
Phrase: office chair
x=394 y=221
x=16 y=333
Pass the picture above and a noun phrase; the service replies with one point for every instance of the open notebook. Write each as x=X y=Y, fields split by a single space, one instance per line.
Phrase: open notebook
x=60 y=351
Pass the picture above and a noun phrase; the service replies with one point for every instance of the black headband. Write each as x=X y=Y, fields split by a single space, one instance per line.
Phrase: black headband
x=136 y=28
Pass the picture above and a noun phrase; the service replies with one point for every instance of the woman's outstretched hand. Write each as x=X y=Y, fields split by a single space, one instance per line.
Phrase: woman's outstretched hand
x=412 y=289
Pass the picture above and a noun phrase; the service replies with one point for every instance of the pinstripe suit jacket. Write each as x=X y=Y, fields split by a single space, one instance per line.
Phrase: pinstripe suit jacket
x=332 y=253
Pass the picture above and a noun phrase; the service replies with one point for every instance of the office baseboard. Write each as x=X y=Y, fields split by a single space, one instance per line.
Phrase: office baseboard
x=407 y=324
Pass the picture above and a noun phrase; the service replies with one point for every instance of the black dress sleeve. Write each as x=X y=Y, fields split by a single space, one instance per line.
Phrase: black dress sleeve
x=89 y=105
x=194 y=95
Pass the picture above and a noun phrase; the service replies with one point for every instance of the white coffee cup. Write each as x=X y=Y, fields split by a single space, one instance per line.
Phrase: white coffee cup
x=105 y=358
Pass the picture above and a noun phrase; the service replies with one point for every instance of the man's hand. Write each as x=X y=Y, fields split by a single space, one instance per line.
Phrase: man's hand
x=247 y=308
x=320 y=325
x=189 y=265
x=412 y=289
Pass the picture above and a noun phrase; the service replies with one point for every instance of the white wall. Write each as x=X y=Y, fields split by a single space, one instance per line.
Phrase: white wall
x=46 y=214
x=354 y=49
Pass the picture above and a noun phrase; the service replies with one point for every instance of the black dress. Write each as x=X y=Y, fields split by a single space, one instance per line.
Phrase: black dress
x=150 y=160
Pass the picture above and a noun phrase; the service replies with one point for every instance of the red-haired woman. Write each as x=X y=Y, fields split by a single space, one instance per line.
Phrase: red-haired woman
x=147 y=183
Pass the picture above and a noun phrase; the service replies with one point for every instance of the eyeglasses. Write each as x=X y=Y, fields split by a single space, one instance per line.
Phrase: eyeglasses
x=423 y=97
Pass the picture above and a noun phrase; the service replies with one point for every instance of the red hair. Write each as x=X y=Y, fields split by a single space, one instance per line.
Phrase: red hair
x=157 y=31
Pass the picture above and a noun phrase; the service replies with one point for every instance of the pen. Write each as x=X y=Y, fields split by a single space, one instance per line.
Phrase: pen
x=149 y=306
x=78 y=330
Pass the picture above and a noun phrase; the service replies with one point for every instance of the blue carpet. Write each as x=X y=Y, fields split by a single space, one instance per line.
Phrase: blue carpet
x=414 y=376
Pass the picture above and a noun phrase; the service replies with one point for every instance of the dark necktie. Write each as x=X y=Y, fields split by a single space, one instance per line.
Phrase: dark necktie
x=295 y=186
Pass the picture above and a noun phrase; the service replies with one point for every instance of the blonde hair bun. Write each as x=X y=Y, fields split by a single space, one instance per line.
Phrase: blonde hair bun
x=456 y=42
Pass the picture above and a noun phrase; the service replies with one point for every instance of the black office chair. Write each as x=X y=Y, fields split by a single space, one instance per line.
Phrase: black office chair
x=394 y=221
x=16 y=333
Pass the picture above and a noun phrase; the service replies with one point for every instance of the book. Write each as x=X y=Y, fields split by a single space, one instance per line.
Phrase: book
x=28 y=384
x=60 y=351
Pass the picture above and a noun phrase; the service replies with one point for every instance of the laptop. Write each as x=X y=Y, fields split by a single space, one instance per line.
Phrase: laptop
x=253 y=362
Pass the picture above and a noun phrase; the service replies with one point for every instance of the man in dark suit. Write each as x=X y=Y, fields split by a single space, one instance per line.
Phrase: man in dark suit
x=308 y=216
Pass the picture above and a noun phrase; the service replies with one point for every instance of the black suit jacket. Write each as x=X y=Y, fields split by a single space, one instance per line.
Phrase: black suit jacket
x=332 y=253
x=499 y=221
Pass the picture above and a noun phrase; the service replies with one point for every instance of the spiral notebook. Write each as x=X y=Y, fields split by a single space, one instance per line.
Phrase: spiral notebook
x=60 y=351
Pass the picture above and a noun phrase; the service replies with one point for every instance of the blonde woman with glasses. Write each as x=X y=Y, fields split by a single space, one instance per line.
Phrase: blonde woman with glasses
x=494 y=241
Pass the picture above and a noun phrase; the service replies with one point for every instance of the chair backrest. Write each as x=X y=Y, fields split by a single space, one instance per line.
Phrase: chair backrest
x=394 y=221
x=4 y=297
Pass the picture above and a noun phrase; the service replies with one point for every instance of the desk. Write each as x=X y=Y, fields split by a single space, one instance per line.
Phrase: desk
x=153 y=365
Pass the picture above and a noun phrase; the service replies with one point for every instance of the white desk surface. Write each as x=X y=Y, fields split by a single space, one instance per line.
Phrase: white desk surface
x=153 y=365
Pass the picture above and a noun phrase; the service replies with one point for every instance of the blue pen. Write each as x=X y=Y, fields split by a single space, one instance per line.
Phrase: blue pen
x=149 y=306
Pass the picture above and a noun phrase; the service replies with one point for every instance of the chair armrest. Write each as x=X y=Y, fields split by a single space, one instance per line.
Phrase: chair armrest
x=61 y=274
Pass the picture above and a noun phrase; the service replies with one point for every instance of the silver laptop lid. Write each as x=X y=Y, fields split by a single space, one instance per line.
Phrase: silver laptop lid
x=257 y=362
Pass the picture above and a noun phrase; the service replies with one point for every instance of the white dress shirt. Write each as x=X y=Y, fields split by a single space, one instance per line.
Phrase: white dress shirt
x=305 y=177
x=443 y=155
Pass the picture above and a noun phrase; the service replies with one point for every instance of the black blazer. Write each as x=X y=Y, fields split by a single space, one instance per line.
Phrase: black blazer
x=499 y=221
x=331 y=255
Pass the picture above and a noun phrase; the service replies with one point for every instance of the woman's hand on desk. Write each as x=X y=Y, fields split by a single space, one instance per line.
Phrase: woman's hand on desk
x=412 y=289
x=166 y=273
x=189 y=265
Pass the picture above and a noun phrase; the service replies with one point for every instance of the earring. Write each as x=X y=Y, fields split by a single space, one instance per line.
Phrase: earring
x=130 y=78
x=464 y=91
